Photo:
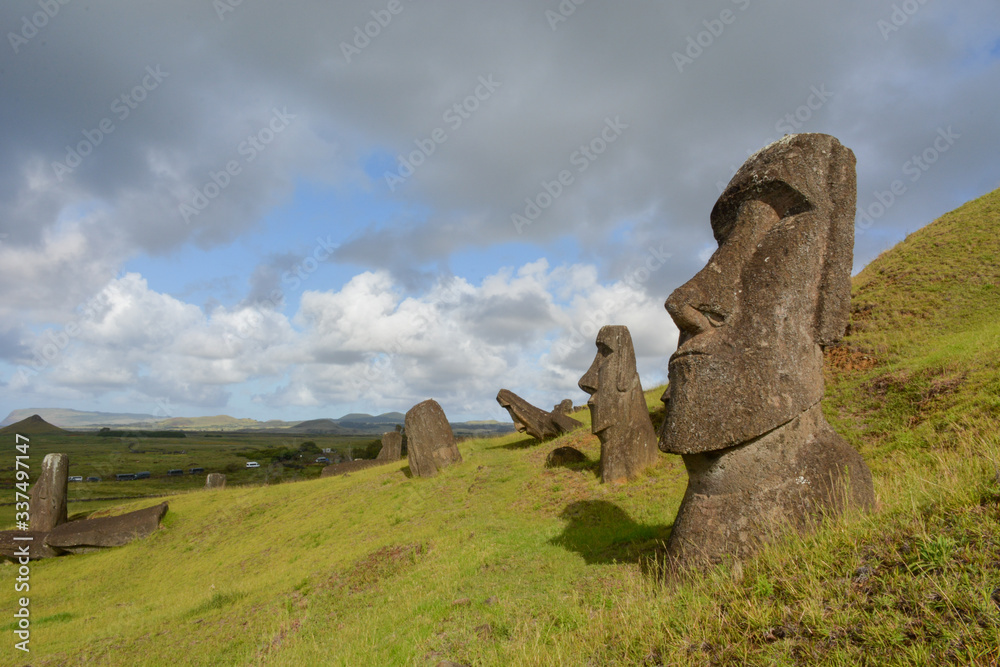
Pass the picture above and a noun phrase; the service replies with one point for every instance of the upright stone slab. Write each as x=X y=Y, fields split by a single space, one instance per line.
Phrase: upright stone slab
x=430 y=443
x=392 y=446
x=215 y=480
x=743 y=403
x=48 y=496
x=619 y=417
x=536 y=422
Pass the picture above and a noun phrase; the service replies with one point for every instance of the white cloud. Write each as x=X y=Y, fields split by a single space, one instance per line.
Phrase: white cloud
x=366 y=345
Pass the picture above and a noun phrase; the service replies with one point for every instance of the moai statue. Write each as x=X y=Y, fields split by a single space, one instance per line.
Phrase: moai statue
x=47 y=504
x=618 y=412
x=215 y=480
x=430 y=442
x=536 y=422
x=743 y=403
x=392 y=447
x=564 y=408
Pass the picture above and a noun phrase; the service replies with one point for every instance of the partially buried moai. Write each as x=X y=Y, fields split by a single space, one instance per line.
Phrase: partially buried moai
x=430 y=442
x=743 y=403
x=47 y=505
x=618 y=411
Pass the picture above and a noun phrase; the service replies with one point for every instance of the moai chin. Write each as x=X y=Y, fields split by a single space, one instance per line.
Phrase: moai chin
x=618 y=413
x=743 y=403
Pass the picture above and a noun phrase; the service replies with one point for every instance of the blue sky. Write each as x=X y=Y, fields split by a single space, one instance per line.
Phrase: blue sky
x=240 y=234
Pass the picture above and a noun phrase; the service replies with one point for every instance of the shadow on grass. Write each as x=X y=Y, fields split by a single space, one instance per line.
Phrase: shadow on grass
x=525 y=443
x=602 y=532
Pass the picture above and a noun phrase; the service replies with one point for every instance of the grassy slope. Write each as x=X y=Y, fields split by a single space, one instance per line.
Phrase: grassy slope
x=500 y=561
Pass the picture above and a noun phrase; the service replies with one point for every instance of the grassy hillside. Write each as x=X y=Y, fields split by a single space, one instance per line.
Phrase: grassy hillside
x=500 y=561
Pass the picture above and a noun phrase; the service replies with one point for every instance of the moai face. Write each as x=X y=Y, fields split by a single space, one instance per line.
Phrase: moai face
x=610 y=378
x=753 y=321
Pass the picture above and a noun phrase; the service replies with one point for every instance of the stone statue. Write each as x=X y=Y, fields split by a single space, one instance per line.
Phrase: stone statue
x=536 y=422
x=743 y=403
x=392 y=447
x=430 y=442
x=47 y=508
x=565 y=407
x=618 y=412
x=215 y=480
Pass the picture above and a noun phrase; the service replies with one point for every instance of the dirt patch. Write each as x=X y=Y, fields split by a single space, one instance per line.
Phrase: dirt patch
x=880 y=386
x=379 y=565
x=940 y=387
x=845 y=358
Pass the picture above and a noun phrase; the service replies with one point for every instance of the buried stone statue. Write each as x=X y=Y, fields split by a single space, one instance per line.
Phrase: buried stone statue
x=743 y=403
x=537 y=423
x=618 y=413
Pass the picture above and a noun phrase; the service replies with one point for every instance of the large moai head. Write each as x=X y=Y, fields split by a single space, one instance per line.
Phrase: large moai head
x=753 y=321
x=618 y=408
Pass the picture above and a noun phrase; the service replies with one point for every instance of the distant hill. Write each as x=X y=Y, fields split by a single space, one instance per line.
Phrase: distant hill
x=362 y=418
x=212 y=423
x=355 y=423
x=318 y=426
x=33 y=425
x=77 y=419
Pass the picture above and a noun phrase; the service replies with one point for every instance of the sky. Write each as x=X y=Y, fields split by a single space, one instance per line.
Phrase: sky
x=294 y=210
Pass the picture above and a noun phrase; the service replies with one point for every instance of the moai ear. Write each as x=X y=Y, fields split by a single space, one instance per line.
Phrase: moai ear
x=626 y=358
x=833 y=310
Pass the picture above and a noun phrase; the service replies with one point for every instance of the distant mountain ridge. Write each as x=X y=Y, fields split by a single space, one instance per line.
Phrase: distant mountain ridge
x=355 y=423
x=65 y=418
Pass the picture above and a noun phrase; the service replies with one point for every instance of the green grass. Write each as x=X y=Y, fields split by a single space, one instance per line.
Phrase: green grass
x=499 y=560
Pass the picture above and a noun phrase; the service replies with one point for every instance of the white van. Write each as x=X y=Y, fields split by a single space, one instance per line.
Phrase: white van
x=253 y=464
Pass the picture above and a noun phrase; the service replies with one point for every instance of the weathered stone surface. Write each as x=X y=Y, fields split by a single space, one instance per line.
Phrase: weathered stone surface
x=618 y=412
x=561 y=456
x=564 y=408
x=742 y=406
x=13 y=549
x=47 y=507
x=392 y=446
x=430 y=442
x=94 y=534
x=536 y=422
x=215 y=480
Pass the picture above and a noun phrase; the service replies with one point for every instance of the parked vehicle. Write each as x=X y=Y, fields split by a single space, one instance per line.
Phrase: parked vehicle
x=74 y=478
x=125 y=477
x=142 y=475
x=93 y=479
x=322 y=459
x=175 y=471
x=196 y=471
x=253 y=464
